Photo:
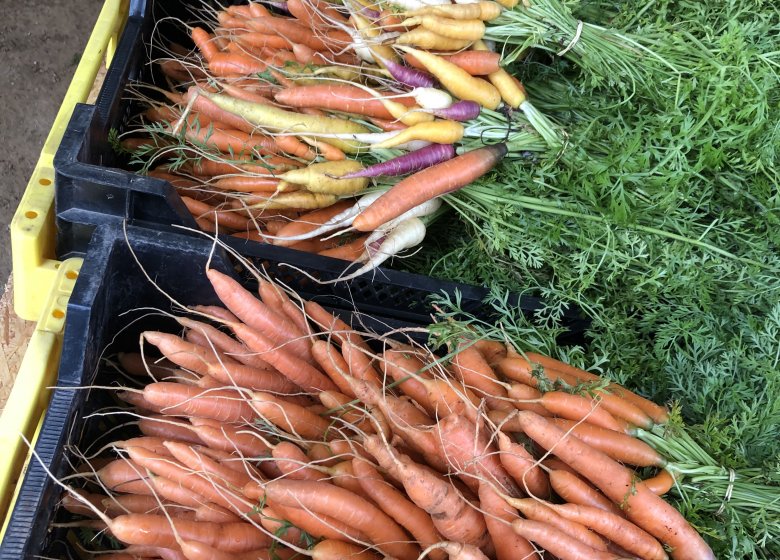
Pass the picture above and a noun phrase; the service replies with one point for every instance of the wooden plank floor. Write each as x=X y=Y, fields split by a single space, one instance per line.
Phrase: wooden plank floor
x=15 y=333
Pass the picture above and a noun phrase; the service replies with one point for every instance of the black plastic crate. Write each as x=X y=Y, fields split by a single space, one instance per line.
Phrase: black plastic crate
x=113 y=302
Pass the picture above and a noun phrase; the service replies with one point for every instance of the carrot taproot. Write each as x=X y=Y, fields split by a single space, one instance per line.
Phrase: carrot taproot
x=521 y=465
x=470 y=366
x=290 y=417
x=173 y=492
x=429 y=183
x=271 y=325
x=415 y=520
x=326 y=177
x=120 y=504
x=661 y=483
x=527 y=398
x=225 y=218
x=203 y=489
x=308 y=222
x=463 y=29
x=166 y=427
x=293 y=462
x=175 y=399
x=452 y=515
x=485 y=10
x=194 y=550
x=537 y=510
x=332 y=549
x=342 y=409
x=352 y=251
x=224 y=342
x=469 y=450
x=228 y=438
x=337 y=97
x=259 y=39
x=640 y=505
x=134 y=364
x=575 y=490
x=123 y=475
x=315 y=13
x=297 y=370
x=333 y=364
x=557 y=542
x=576 y=407
x=156 y=530
x=658 y=413
x=404 y=367
x=298 y=200
x=225 y=64
x=204 y=41
x=204 y=465
x=243 y=183
x=215 y=514
x=332 y=325
x=498 y=518
x=620 y=447
x=615 y=528
x=430 y=40
x=293 y=31
x=346 y=507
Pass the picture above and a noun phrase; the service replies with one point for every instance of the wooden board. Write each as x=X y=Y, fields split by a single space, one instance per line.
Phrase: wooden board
x=15 y=333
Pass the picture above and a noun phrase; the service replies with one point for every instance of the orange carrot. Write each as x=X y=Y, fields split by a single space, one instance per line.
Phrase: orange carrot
x=290 y=417
x=351 y=251
x=167 y=428
x=228 y=438
x=315 y=13
x=658 y=413
x=429 y=183
x=661 y=483
x=397 y=506
x=332 y=549
x=641 y=506
x=243 y=183
x=521 y=465
x=332 y=325
x=615 y=528
x=204 y=41
x=320 y=525
x=224 y=342
x=558 y=542
x=292 y=461
x=336 y=97
x=539 y=511
x=469 y=451
x=347 y=507
x=620 y=447
x=470 y=366
x=452 y=515
x=225 y=218
x=205 y=465
x=259 y=40
x=309 y=222
x=574 y=490
x=401 y=366
x=176 y=399
x=235 y=64
x=493 y=351
x=527 y=398
x=156 y=530
x=498 y=518
x=122 y=475
x=275 y=328
x=575 y=407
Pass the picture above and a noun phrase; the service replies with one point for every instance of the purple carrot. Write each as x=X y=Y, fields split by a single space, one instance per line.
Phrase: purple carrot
x=409 y=76
x=407 y=163
x=279 y=6
x=461 y=111
x=369 y=13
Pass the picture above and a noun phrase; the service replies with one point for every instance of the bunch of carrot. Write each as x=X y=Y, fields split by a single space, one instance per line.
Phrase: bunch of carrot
x=273 y=121
x=272 y=429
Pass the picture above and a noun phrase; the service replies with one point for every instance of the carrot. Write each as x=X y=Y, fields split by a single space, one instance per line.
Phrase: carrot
x=347 y=507
x=337 y=97
x=204 y=41
x=134 y=364
x=292 y=418
x=315 y=13
x=472 y=454
x=216 y=312
x=276 y=328
x=294 y=368
x=215 y=514
x=228 y=438
x=661 y=483
x=574 y=490
x=332 y=325
x=658 y=413
x=156 y=530
x=309 y=222
x=291 y=30
x=536 y=510
x=173 y=492
x=224 y=342
x=640 y=505
x=351 y=251
x=521 y=465
x=498 y=518
x=201 y=463
x=470 y=366
x=397 y=506
x=465 y=29
x=430 y=40
x=527 y=398
x=332 y=363
x=123 y=475
x=457 y=81
x=235 y=64
x=292 y=461
x=181 y=400
x=458 y=551
x=620 y=447
x=615 y=528
x=404 y=367
x=332 y=549
x=194 y=550
x=576 y=407
x=429 y=183
x=452 y=515
x=557 y=542
x=242 y=183
x=260 y=40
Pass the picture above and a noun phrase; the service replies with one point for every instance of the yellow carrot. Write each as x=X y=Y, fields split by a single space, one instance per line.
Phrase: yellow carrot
x=438 y=132
x=509 y=88
x=324 y=177
x=485 y=10
x=304 y=200
x=427 y=39
x=459 y=82
x=466 y=29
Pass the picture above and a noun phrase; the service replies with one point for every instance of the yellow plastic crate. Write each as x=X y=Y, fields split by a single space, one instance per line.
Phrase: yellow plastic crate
x=42 y=285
